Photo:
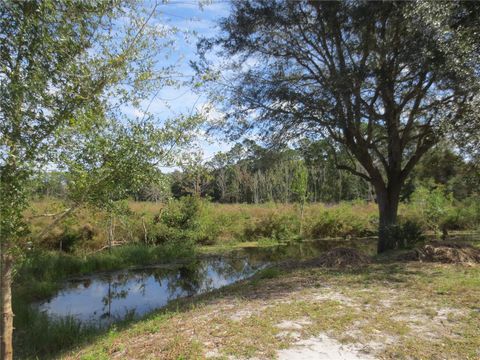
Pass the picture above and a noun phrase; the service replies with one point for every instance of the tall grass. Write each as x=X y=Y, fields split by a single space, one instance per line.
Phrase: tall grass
x=223 y=224
x=39 y=336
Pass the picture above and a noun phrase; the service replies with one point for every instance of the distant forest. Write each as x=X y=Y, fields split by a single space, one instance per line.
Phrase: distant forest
x=250 y=173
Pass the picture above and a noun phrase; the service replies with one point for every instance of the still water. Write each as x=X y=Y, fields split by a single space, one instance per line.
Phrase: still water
x=105 y=298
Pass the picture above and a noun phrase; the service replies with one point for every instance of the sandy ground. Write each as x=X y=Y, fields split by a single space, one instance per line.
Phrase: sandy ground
x=316 y=315
x=322 y=348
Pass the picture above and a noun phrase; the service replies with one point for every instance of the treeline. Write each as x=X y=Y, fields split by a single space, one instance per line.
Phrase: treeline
x=250 y=173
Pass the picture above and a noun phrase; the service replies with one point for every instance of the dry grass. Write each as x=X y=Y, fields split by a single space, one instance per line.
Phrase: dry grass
x=341 y=257
x=221 y=224
x=225 y=223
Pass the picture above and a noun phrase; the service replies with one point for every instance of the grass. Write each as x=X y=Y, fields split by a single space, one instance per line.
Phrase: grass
x=230 y=224
x=396 y=310
x=37 y=335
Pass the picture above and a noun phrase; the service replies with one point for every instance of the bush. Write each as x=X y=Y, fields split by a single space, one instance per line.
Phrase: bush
x=411 y=234
x=404 y=236
x=189 y=219
x=343 y=221
x=430 y=207
x=463 y=216
x=181 y=214
x=275 y=226
x=177 y=222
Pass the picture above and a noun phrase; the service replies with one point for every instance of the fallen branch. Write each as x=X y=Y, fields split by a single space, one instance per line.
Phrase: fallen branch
x=48 y=215
x=45 y=231
x=106 y=247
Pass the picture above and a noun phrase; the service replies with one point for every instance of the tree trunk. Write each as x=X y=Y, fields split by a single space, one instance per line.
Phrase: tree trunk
x=302 y=213
x=387 y=199
x=110 y=232
x=6 y=321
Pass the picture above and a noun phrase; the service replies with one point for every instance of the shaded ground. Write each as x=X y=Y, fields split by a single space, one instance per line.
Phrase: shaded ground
x=385 y=310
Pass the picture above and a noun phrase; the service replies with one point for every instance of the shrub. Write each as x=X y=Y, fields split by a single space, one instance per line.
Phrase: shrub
x=342 y=221
x=411 y=234
x=181 y=214
x=430 y=207
x=404 y=236
x=179 y=222
x=273 y=226
x=463 y=216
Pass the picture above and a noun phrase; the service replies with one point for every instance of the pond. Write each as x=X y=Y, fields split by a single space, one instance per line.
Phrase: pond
x=105 y=298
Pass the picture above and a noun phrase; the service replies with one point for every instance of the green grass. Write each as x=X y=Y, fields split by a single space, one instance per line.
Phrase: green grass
x=37 y=335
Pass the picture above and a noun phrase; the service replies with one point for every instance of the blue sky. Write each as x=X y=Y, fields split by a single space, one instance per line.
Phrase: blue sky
x=193 y=20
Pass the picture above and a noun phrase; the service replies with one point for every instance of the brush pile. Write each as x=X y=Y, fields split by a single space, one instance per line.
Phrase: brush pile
x=341 y=257
x=448 y=252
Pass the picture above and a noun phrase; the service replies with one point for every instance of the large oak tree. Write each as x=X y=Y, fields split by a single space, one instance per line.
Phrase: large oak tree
x=380 y=80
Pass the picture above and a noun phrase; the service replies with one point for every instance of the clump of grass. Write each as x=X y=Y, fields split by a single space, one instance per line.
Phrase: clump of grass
x=37 y=335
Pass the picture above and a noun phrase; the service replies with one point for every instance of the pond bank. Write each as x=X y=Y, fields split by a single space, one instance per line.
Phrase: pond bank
x=385 y=310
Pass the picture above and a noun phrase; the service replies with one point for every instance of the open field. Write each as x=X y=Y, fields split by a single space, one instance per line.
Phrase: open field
x=86 y=230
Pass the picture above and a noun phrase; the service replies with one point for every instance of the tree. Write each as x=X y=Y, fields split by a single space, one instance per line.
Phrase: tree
x=368 y=76
x=111 y=160
x=438 y=16
x=61 y=63
x=300 y=187
x=219 y=164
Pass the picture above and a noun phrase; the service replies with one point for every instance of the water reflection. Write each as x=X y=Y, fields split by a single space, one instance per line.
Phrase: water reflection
x=110 y=297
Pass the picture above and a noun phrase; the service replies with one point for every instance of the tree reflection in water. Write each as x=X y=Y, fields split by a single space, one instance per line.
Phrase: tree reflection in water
x=111 y=297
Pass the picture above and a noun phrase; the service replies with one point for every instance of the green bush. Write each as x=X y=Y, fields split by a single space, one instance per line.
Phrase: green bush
x=275 y=226
x=177 y=222
x=463 y=216
x=411 y=234
x=181 y=214
x=341 y=221
x=430 y=207
x=404 y=236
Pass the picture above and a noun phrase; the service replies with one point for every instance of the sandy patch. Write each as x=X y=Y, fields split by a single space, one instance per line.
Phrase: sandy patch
x=330 y=295
x=322 y=348
x=294 y=325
